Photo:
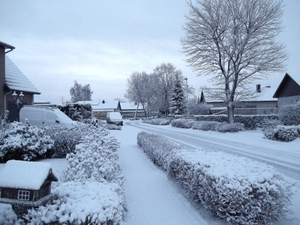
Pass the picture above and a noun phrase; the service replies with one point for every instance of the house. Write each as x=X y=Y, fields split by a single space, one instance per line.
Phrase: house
x=288 y=90
x=15 y=88
x=258 y=99
x=25 y=182
x=101 y=108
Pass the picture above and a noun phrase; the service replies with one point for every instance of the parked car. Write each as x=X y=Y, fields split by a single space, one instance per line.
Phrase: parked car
x=42 y=116
x=114 y=118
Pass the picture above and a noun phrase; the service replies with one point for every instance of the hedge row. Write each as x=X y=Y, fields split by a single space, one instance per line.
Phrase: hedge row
x=208 y=125
x=159 y=121
x=237 y=189
x=251 y=122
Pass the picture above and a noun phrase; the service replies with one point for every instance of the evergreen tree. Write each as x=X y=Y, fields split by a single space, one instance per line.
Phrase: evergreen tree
x=178 y=102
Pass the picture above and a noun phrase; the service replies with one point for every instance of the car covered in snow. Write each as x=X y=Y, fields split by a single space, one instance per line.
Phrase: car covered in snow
x=44 y=116
x=114 y=118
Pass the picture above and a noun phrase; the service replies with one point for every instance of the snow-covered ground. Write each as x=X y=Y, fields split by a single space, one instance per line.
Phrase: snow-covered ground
x=153 y=199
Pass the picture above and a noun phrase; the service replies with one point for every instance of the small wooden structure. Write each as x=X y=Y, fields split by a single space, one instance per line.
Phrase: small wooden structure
x=24 y=182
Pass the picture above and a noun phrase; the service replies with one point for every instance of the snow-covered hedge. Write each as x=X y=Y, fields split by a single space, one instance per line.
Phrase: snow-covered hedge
x=157 y=147
x=158 y=121
x=65 y=139
x=24 y=142
x=207 y=125
x=237 y=189
x=92 y=189
x=7 y=215
x=289 y=114
x=81 y=203
x=283 y=133
x=251 y=122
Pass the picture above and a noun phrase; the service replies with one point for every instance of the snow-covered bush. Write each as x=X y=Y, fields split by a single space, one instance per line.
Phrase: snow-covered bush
x=92 y=189
x=231 y=127
x=78 y=112
x=7 y=215
x=81 y=203
x=3 y=126
x=182 y=123
x=237 y=189
x=247 y=193
x=283 y=133
x=23 y=142
x=158 y=121
x=157 y=147
x=195 y=108
x=289 y=114
x=65 y=139
x=95 y=158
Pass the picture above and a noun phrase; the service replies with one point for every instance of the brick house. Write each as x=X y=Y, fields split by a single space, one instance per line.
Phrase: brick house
x=12 y=80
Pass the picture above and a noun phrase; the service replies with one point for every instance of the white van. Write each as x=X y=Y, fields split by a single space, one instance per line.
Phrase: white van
x=42 y=116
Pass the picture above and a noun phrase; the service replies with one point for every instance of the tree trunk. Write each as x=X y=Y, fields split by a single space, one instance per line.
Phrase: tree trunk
x=230 y=113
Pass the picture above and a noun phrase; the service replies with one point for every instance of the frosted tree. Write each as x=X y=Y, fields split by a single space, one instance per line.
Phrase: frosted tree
x=80 y=92
x=178 y=99
x=164 y=76
x=234 y=42
x=139 y=89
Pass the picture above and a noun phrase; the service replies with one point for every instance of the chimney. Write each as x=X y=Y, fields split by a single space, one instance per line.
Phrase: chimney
x=258 y=89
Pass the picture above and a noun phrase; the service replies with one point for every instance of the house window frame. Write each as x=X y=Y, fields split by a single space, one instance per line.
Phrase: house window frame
x=23 y=195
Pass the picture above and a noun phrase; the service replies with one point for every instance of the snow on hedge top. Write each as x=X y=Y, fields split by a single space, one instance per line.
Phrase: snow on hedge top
x=22 y=174
x=222 y=165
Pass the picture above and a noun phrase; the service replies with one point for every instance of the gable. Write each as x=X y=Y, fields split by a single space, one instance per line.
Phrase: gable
x=287 y=88
x=16 y=80
x=25 y=175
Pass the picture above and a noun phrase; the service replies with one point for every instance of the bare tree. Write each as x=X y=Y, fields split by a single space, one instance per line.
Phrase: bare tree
x=138 y=88
x=165 y=75
x=234 y=42
x=80 y=92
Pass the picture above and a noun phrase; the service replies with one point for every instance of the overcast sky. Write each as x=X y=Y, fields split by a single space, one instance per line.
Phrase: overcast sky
x=102 y=42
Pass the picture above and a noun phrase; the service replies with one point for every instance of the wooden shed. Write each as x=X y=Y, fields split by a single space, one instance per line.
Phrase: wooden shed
x=25 y=182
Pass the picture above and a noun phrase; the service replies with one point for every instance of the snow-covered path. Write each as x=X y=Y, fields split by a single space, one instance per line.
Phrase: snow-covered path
x=151 y=197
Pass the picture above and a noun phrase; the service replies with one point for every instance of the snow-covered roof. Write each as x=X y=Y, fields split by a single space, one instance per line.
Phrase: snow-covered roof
x=130 y=105
x=23 y=174
x=16 y=80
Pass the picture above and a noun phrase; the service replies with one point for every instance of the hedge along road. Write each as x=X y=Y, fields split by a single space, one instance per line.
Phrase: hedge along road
x=285 y=157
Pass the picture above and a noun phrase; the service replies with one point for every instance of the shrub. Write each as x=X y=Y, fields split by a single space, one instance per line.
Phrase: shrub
x=234 y=188
x=227 y=127
x=157 y=147
x=65 y=139
x=78 y=112
x=283 y=133
x=92 y=175
x=7 y=215
x=95 y=158
x=289 y=114
x=69 y=205
x=23 y=142
x=237 y=189
x=158 y=121
x=182 y=123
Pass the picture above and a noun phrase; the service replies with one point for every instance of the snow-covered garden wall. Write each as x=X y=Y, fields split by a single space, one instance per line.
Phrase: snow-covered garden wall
x=238 y=189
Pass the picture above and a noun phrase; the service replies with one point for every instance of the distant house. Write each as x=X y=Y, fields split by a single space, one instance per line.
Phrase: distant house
x=25 y=182
x=13 y=81
x=288 y=90
x=259 y=101
x=101 y=108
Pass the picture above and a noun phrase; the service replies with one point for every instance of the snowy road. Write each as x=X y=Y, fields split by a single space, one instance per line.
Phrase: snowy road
x=285 y=157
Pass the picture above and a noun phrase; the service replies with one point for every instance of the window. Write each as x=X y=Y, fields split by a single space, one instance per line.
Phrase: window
x=23 y=195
